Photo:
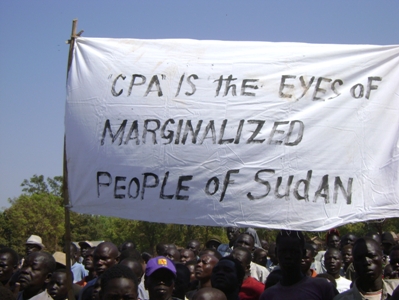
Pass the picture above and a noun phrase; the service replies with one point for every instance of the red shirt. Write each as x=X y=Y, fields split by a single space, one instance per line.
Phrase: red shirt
x=251 y=289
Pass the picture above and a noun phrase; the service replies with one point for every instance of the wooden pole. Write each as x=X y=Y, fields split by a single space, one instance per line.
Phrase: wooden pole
x=67 y=205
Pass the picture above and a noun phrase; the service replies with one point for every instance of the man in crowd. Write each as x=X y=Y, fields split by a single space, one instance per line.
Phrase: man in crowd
x=89 y=266
x=118 y=282
x=307 y=261
x=260 y=257
x=347 y=259
x=272 y=261
x=348 y=239
x=8 y=264
x=213 y=243
x=35 y=275
x=333 y=264
x=258 y=272
x=57 y=288
x=160 y=275
x=387 y=241
x=232 y=234
x=194 y=246
x=367 y=260
x=173 y=254
x=33 y=244
x=161 y=249
x=105 y=255
x=394 y=261
x=227 y=276
x=203 y=272
x=251 y=289
x=290 y=247
x=78 y=270
x=137 y=267
x=129 y=245
x=84 y=247
x=186 y=255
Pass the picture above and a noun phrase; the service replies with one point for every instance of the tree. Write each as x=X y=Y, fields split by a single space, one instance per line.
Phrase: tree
x=39 y=214
x=37 y=185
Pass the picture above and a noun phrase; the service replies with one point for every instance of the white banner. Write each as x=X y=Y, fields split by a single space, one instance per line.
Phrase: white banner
x=273 y=135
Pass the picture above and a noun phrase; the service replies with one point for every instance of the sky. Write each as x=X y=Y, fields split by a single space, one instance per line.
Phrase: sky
x=34 y=54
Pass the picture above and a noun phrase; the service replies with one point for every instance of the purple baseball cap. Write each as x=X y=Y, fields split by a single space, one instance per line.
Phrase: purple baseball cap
x=159 y=262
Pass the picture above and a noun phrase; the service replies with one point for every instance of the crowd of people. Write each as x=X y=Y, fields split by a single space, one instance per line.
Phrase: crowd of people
x=246 y=268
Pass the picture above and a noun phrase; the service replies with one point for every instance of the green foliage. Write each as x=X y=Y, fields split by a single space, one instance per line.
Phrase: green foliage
x=39 y=214
x=37 y=185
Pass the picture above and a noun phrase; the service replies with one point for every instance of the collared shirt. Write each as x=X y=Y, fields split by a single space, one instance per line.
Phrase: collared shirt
x=79 y=272
x=388 y=286
x=259 y=272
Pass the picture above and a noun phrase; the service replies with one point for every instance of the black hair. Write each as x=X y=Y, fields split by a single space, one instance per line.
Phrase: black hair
x=118 y=271
x=310 y=248
x=291 y=234
x=213 y=252
x=14 y=255
x=248 y=254
x=364 y=240
x=131 y=253
x=146 y=256
x=63 y=270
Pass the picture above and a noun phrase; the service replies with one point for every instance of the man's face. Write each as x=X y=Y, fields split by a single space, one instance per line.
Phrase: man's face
x=6 y=267
x=204 y=267
x=333 y=261
x=186 y=255
x=83 y=250
x=333 y=241
x=88 y=260
x=260 y=257
x=57 y=287
x=307 y=261
x=289 y=253
x=347 y=255
x=119 y=289
x=173 y=254
x=348 y=239
x=34 y=273
x=104 y=257
x=192 y=272
x=193 y=246
x=29 y=248
x=160 y=284
x=224 y=276
x=367 y=260
x=394 y=260
x=232 y=233
x=245 y=240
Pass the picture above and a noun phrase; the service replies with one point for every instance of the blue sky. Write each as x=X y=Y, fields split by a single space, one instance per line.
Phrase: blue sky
x=34 y=54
